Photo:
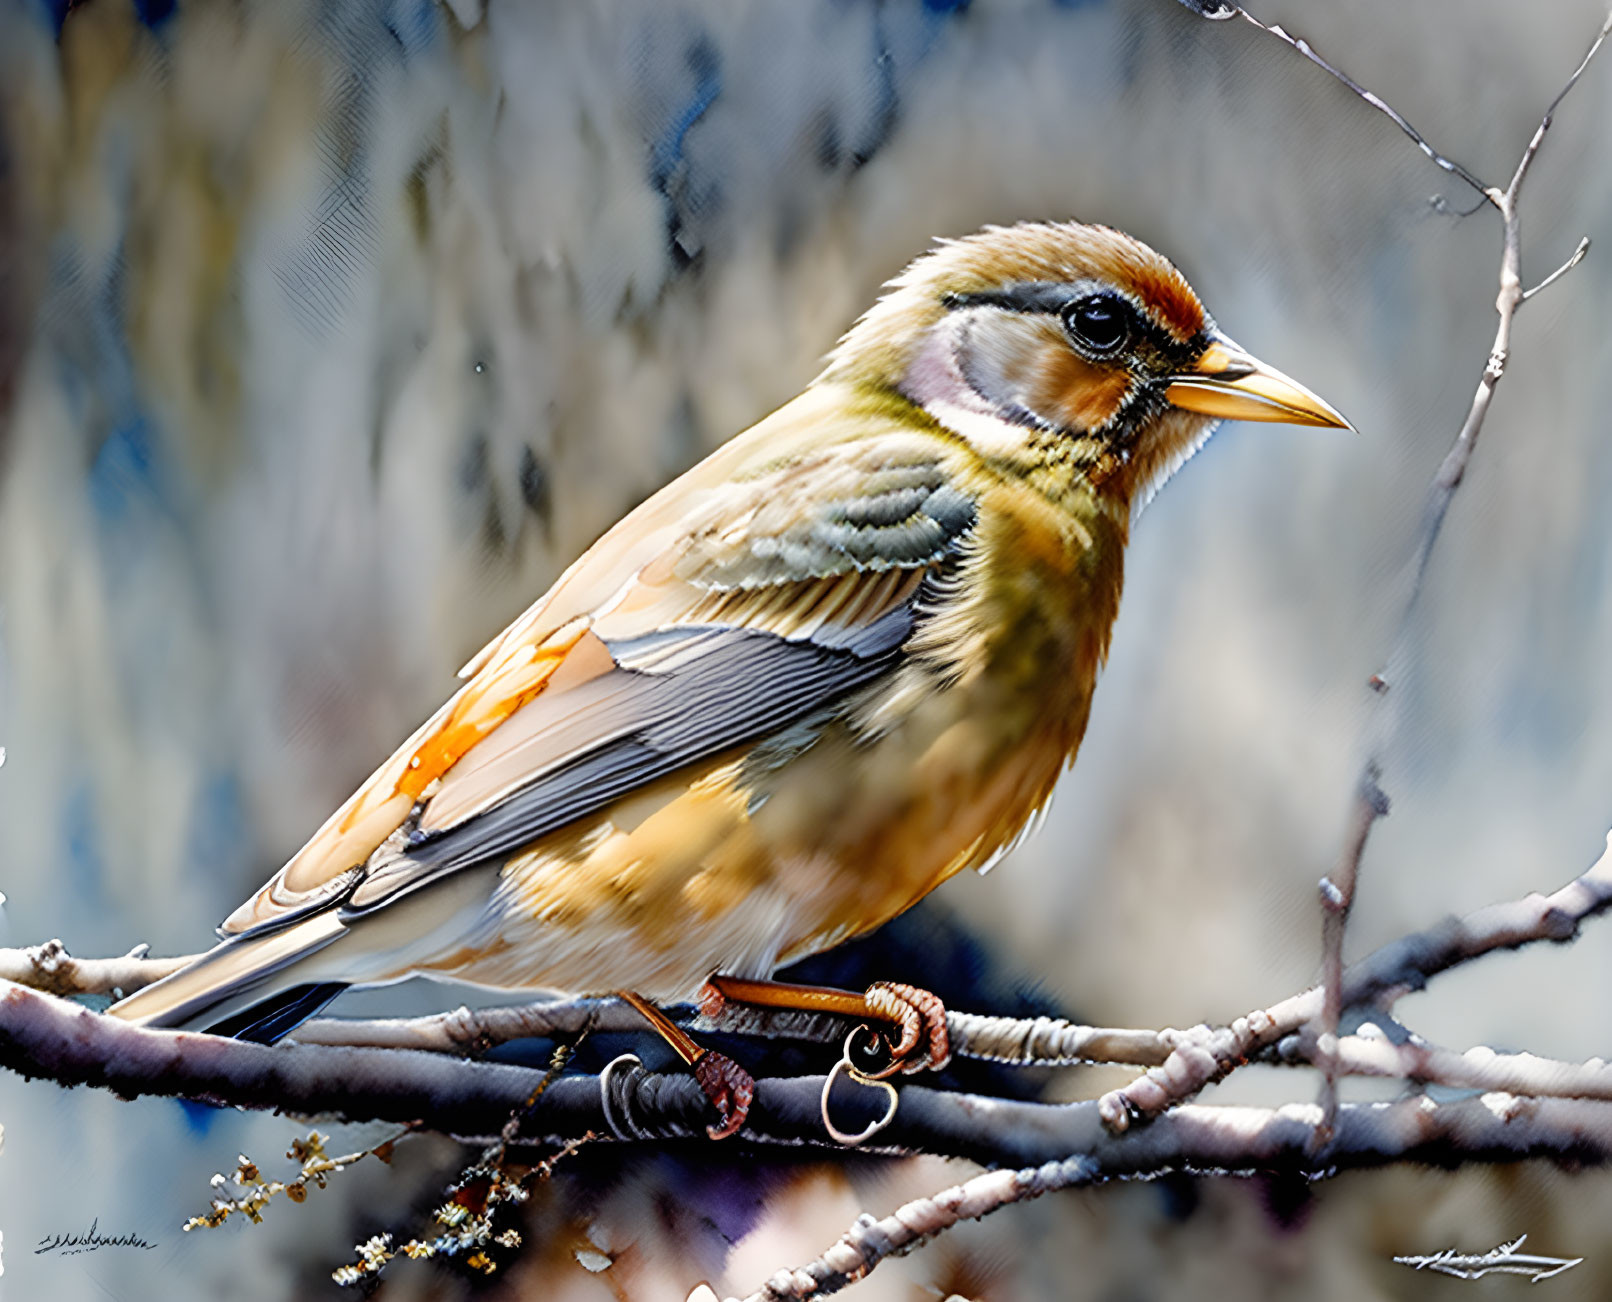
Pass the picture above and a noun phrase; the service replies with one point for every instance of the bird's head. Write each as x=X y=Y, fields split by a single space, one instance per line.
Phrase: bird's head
x=1073 y=354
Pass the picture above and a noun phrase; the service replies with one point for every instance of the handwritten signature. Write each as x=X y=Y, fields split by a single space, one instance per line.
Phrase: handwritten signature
x=1504 y=1260
x=71 y=1244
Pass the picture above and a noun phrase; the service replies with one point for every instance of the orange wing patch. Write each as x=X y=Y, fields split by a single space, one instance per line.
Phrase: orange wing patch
x=514 y=676
x=521 y=667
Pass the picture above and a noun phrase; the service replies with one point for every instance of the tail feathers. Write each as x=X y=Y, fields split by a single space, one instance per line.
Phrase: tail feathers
x=253 y=988
x=268 y=1019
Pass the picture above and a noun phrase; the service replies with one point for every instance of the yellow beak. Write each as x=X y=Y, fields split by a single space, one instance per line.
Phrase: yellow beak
x=1229 y=383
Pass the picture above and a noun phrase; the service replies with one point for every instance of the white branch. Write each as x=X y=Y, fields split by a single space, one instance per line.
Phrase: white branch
x=49 y=967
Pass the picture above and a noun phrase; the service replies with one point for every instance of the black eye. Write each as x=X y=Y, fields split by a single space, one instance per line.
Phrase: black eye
x=1099 y=323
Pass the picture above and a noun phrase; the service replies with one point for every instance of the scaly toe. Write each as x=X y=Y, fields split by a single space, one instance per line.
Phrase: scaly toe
x=924 y=1044
x=729 y=1087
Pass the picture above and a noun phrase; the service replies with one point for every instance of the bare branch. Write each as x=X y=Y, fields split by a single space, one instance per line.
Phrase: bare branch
x=1228 y=1140
x=1039 y=1042
x=51 y=968
x=870 y=1241
x=1576 y=258
x=1029 y=1042
x=1538 y=139
x=471 y=1031
x=463 y=1031
x=1051 y=1146
x=42 y=1036
x=1207 y=1054
x=45 y=1037
x=1022 y=1042
x=1479 y=1068
x=48 y=1038
x=1370 y=802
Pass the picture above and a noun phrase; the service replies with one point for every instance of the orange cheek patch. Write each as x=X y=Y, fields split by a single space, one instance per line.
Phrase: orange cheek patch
x=1074 y=393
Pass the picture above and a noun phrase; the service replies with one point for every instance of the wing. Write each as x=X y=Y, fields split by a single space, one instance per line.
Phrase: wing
x=775 y=578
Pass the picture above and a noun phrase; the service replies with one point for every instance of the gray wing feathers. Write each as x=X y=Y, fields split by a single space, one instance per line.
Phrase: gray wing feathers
x=678 y=697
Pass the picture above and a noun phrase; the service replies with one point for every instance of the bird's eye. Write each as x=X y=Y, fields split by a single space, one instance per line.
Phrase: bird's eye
x=1099 y=323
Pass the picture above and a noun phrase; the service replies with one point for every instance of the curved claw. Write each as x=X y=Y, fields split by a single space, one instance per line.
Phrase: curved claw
x=729 y=1087
x=924 y=1043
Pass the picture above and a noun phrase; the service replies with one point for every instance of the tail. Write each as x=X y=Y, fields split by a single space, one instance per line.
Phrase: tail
x=252 y=987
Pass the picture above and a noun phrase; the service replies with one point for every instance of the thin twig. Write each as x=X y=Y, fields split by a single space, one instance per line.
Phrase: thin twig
x=247 y=1193
x=1477 y=1069
x=1377 y=102
x=49 y=967
x=1544 y=125
x=870 y=1241
x=1573 y=261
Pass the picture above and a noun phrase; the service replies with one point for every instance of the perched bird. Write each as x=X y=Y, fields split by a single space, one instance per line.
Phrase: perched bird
x=843 y=658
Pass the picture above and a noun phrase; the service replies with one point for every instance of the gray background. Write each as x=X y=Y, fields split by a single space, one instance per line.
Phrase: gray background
x=330 y=334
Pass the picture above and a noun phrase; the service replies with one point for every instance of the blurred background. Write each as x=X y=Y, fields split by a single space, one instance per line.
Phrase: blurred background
x=331 y=333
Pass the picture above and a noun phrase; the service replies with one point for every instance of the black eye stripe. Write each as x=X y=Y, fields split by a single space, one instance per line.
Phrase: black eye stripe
x=1052 y=298
x=1034 y=296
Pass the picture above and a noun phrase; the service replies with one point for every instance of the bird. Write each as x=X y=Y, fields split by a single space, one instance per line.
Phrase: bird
x=843 y=658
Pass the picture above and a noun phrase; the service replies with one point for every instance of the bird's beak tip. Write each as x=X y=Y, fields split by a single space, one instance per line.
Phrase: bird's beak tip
x=1233 y=385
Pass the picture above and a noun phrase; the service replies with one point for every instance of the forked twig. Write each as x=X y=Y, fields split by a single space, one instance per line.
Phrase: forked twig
x=1370 y=802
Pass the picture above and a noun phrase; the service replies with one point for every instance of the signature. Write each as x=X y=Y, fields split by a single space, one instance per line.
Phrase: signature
x=71 y=1244
x=1504 y=1260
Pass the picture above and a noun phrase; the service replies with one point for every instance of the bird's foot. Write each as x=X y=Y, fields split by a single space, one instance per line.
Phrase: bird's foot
x=921 y=1042
x=914 y=1038
x=729 y=1087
